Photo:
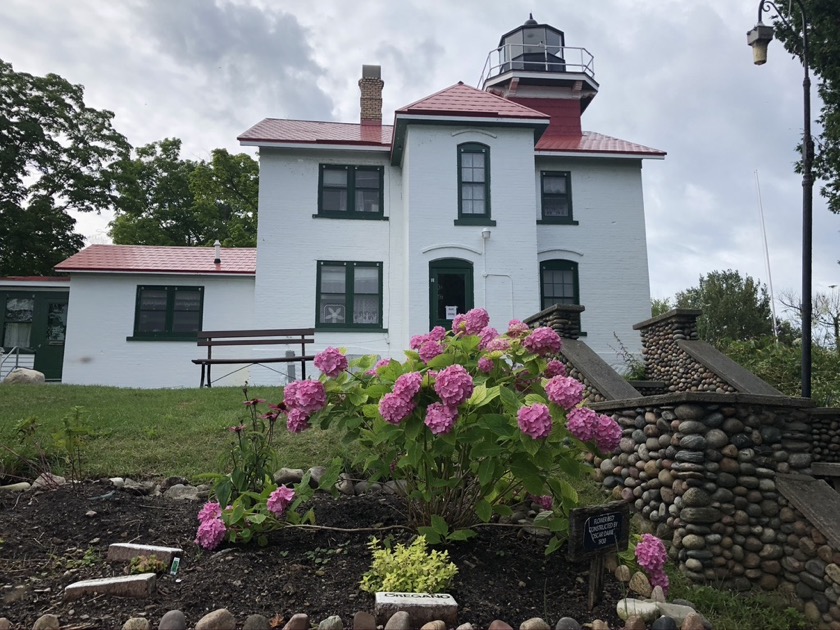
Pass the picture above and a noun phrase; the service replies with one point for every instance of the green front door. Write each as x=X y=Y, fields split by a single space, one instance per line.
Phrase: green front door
x=35 y=322
x=450 y=290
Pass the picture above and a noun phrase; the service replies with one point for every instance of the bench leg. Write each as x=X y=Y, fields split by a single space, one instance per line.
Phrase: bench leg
x=303 y=370
x=201 y=382
x=209 y=382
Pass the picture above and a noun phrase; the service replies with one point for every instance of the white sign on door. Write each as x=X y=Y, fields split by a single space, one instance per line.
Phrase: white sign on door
x=451 y=312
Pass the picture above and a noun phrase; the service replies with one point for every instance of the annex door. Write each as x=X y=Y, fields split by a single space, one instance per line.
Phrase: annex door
x=450 y=290
x=35 y=323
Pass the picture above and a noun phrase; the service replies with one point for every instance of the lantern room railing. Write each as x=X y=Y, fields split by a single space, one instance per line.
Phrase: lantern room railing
x=537 y=58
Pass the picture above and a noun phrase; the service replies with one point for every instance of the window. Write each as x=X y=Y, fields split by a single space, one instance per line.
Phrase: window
x=556 y=195
x=18 y=329
x=350 y=192
x=474 y=185
x=172 y=313
x=349 y=295
x=559 y=283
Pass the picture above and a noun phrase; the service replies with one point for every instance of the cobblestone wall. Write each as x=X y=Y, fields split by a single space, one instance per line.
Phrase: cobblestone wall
x=825 y=435
x=666 y=361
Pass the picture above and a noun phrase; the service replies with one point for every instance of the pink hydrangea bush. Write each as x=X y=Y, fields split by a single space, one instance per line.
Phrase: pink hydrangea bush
x=279 y=501
x=652 y=556
x=331 y=362
x=465 y=410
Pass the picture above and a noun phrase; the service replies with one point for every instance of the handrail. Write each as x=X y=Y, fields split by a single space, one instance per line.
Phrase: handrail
x=4 y=356
x=537 y=58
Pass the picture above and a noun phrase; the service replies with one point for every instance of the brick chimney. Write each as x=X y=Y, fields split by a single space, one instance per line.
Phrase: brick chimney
x=371 y=99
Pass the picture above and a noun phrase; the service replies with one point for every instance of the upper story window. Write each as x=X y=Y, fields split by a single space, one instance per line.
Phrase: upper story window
x=168 y=312
x=556 y=197
x=474 y=185
x=350 y=192
x=349 y=295
x=558 y=283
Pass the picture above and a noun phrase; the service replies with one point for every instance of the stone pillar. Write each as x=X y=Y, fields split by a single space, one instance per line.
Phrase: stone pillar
x=563 y=318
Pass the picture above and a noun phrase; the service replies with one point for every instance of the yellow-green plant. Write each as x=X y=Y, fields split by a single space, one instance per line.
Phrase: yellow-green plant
x=146 y=564
x=410 y=569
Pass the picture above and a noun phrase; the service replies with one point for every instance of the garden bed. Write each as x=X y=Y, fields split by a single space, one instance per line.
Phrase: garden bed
x=50 y=539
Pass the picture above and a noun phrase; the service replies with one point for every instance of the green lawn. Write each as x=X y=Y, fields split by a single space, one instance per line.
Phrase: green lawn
x=152 y=432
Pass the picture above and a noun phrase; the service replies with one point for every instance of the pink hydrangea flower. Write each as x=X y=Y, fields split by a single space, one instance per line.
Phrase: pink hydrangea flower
x=476 y=320
x=485 y=365
x=459 y=324
x=438 y=333
x=517 y=328
x=555 y=368
x=308 y=396
x=487 y=334
x=535 y=421
x=543 y=341
x=297 y=421
x=210 y=534
x=417 y=341
x=210 y=511
x=660 y=578
x=454 y=385
x=499 y=344
x=651 y=554
x=546 y=502
x=440 y=418
x=607 y=434
x=331 y=362
x=379 y=364
x=408 y=385
x=430 y=349
x=581 y=422
x=280 y=500
x=564 y=391
x=395 y=409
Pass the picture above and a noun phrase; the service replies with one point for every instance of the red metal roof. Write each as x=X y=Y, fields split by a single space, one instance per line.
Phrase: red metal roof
x=463 y=100
x=314 y=132
x=591 y=142
x=34 y=279
x=158 y=259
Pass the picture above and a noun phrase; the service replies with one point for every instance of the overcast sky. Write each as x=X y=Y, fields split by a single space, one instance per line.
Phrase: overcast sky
x=674 y=74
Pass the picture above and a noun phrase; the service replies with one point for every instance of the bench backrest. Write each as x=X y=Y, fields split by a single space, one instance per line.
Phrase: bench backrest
x=255 y=337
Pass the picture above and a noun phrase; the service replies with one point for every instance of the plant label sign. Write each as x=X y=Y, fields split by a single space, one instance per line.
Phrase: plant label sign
x=598 y=530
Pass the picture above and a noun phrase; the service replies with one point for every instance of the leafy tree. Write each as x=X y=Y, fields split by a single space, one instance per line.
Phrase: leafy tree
x=55 y=156
x=734 y=307
x=167 y=200
x=660 y=307
x=824 y=61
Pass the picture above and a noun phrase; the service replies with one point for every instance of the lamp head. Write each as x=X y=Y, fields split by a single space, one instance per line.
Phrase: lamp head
x=759 y=37
x=485 y=233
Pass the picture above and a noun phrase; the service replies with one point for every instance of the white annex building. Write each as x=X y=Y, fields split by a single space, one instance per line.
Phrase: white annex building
x=373 y=233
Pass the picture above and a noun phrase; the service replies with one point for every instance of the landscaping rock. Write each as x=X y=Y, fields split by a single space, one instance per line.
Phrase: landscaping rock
x=259 y=622
x=664 y=623
x=316 y=473
x=693 y=622
x=5 y=624
x=173 y=620
x=437 y=624
x=498 y=624
x=139 y=586
x=124 y=552
x=288 y=476
x=567 y=623
x=334 y=622
x=627 y=608
x=635 y=623
x=677 y=612
x=23 y=486
x=24 y=376
x=600 y=624
x=219 y=619
x=47 y=481
x=364 y=621
x=622 y=574
x=534 y=623
x=345 y=485
x=46 y=622
x=640 y=584
x=137 y=623
x=180 y=492
x=422 y=607
x=464 y=626
x=400 y=620
x=300 y=621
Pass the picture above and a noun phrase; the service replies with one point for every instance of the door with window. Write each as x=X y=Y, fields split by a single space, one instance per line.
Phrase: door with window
x=450 y=290
x=35 y=323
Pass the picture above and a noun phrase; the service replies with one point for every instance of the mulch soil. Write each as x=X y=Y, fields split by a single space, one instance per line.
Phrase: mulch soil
x=49 y=540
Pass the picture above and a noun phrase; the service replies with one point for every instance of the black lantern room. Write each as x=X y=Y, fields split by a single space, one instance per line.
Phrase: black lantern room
x=533 y=47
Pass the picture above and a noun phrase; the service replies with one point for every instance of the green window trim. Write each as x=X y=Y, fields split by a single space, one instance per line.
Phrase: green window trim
x=344 y=191
x=473 y=184
x=559 y=283
x=167 y=313
x=556 y=198
x=341 y=288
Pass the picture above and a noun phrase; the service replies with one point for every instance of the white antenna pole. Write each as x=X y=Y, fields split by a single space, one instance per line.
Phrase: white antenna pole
x=766 y=256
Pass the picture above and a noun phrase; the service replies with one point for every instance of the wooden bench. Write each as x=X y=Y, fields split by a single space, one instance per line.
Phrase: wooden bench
x=827 y=469
x=288 y=337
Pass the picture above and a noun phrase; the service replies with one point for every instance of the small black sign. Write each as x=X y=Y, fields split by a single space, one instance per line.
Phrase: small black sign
x=597 y=530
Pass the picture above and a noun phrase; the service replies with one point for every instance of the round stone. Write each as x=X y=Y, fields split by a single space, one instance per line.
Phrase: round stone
x=696 y=497
x=693 y=442
x=716 y=438
x=692 y=427
x=693 y=541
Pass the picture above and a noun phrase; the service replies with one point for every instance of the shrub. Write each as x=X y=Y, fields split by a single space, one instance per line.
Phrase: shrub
x=146 y=564
x=410 y=569
x=468 y=422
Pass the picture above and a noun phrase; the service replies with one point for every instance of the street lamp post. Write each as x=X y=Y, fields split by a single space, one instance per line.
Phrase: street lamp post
x=759 y=37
